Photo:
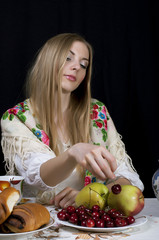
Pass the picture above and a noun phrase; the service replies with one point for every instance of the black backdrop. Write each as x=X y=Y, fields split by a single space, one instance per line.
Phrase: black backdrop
x=125 y=38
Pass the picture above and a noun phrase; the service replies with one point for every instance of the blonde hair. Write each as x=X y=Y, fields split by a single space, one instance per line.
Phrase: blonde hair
x=44 y=79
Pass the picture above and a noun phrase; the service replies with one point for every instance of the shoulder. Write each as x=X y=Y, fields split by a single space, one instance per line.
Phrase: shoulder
x=97 y=102
x=99 y=106
x=18 y=110
x=15 y=116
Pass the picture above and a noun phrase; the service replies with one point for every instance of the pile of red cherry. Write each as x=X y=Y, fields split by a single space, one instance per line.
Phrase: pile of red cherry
x=94 y=217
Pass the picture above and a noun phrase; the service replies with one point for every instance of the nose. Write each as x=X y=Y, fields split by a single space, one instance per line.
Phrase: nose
x=76 y=66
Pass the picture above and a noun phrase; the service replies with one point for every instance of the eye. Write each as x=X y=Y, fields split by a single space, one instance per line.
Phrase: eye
x=83 y=66
x=68 y=59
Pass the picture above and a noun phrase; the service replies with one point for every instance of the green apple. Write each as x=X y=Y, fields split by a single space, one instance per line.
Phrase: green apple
x=93 y=194
x=130 y=201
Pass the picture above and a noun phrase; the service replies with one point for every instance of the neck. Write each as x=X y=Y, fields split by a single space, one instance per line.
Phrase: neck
x=65 y=99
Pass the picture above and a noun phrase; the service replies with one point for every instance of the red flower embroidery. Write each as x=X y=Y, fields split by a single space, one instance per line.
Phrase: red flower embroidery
x=45 y=138
x=95 y=106
x=13 y=111
x=94 y=115
x=100 y=125
x=22 y=104
x=87 y=180
x=105 y=124
x=104 y=110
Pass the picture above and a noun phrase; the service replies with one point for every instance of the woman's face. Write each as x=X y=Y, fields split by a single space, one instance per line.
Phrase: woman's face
x=74 y=70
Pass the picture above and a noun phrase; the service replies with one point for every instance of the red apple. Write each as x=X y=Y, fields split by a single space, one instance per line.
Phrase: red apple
x=130 y=201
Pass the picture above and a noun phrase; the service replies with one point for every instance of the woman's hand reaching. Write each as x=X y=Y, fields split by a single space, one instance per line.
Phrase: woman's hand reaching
x=96 y=159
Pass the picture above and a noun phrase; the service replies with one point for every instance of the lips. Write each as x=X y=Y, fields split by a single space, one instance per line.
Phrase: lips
x=70 y=77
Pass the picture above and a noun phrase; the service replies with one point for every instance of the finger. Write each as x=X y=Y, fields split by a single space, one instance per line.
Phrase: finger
x=110 y=158
x=60 y=196
x=103 y=163
x=94 y=168
x=69 y=200
x=104 y=167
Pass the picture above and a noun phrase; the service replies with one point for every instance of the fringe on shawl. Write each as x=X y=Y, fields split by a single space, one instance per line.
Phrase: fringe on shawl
x=117 y=148
x=15 y=145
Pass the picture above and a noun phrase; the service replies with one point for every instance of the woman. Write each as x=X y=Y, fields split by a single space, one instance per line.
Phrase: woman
x=61 y=139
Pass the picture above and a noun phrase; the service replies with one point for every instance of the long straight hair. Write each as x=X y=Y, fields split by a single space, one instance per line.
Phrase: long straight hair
x=44 y=78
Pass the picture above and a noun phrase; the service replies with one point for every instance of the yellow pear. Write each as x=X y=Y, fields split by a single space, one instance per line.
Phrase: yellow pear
x=93 y=194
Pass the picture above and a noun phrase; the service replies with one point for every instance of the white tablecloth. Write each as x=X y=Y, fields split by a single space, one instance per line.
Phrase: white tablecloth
x=148 y=231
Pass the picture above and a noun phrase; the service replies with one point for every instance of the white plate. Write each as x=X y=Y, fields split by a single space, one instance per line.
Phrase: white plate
x=12 y=236
x=138 y=222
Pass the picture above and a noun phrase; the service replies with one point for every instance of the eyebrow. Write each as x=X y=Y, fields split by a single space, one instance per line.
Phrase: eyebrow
x=82 y=58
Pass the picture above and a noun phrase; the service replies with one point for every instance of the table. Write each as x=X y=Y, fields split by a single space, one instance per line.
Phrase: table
x=148 y=231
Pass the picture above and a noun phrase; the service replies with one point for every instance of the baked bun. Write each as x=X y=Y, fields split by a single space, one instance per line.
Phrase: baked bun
x=27 y=217
x=8 y=198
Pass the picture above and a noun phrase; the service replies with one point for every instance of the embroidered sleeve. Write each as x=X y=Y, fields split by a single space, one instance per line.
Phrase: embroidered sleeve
x=104 y=133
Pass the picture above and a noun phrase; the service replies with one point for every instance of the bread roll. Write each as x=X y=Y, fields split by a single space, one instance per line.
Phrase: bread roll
x=8 y=198
x=27 y=217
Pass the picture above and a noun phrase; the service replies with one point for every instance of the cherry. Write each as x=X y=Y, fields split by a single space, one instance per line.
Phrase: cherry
x=130 y=219
x=71 y=209
x=109 y=224
x=61 y=215
x=82 y=207
x=111 y=210
x=115 y=214
x=83 y=216
x=101 y=212
x=100 y=223
x=67 y=216
x=95 y=214
x=116 y=188
x=95 y=208
x=90 y=222
x=87 y=210
x=81 y=211
x=73 y=218
x=125 y=223
x=120 y=222
x=63 y=210
x=105 y=217
x=83 y=223
x=95 y=218
x=15 y=182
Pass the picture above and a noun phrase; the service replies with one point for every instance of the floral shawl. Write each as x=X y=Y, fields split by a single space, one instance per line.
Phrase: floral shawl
x=102 y=132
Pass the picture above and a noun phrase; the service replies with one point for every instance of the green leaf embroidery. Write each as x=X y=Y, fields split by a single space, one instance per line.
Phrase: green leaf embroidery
x=33 y=130
x=5 y=115
x=95 y=125
x=99 y=109
x=22 y=117
x=104 y=137
x=104 y=131
x=100 y=121
x=99 y=103
x=38 y=126
x=11 y=116
x=19 y=113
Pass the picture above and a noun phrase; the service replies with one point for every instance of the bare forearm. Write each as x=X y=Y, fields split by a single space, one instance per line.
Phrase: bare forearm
x=121 y=181
x=57 y=169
